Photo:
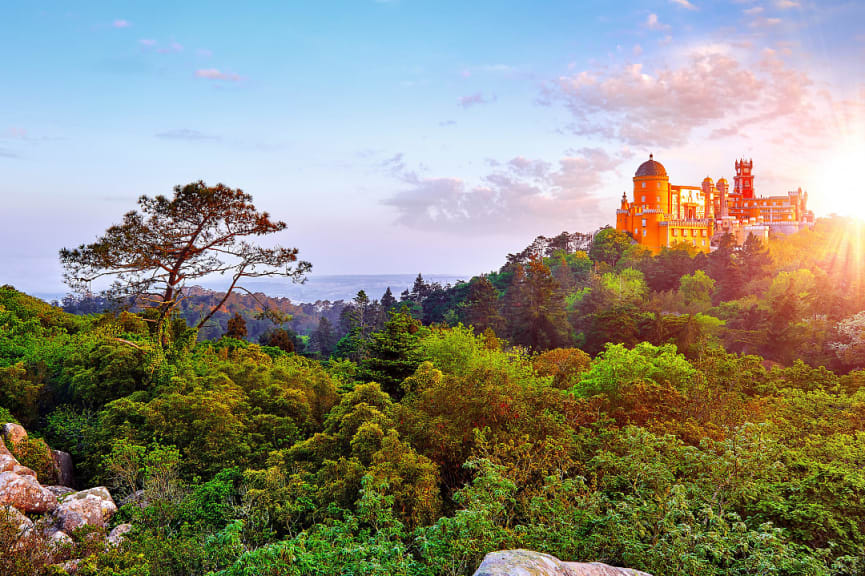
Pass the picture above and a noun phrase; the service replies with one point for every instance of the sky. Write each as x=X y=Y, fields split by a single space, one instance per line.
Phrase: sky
x=403 y=136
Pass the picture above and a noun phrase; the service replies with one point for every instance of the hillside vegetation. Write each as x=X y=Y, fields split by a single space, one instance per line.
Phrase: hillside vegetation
x=677 y=414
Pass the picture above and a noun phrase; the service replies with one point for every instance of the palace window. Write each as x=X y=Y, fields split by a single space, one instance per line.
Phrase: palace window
x=644 y=231
x=644 y=222
x=644 y=184
x=675 y=232
x=643 y=198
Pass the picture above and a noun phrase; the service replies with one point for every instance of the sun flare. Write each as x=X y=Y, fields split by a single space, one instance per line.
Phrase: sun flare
x=839 y=178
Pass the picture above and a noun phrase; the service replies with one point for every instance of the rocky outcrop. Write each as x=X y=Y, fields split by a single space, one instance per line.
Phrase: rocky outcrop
x=60 y=491
x=25 y=493
x=13 y=434
x=93 y=507
x=8 y=462
x=63 y=508
x=64 y=467
x=531 y=563
x=12 y=515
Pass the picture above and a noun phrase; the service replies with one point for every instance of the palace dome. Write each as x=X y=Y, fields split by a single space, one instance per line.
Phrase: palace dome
x=651 y=168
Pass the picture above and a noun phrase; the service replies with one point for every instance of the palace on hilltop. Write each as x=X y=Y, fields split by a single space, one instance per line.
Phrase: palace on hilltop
x=663 y=214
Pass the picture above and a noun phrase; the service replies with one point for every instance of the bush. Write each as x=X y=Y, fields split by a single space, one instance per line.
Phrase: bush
x=36 y=455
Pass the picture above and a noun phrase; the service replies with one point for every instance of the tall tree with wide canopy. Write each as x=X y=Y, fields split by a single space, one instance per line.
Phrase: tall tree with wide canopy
x=157 y=250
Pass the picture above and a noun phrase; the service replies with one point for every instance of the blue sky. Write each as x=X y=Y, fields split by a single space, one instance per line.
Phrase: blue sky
x=405 y=136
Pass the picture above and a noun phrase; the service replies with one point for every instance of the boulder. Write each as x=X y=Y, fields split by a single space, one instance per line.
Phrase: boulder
x=8 y=462
x=64 y=467
x=531 y=563
x=25 y=493
x=60 y=539
x=116 y=536
x=598 y=569
x=92 y=507
x=14 y=516
x=13 y=434
x=60 y=491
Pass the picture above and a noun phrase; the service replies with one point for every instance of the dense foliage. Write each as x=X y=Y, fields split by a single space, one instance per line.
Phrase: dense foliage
x=662 y=442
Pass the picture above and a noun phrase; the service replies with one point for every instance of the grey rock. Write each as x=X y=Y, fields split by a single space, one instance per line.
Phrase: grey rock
x=60 y=539
x=60 y=491
x=13 y=515
x=531 y=563
x=116 y=536
x=64 y=467
x=13 y=433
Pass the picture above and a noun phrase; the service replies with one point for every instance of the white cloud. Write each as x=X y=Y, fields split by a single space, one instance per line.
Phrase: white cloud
x=186 y=134
x=652 y=23
x=786 y=4
x=474 y=100
x=172 y=48
x=684 y=4
x=216 y=74
x=662 y=107
x=121 y=24
x=521 y=194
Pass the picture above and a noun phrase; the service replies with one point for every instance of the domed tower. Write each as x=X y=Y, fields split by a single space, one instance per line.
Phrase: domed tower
x=723 y=188
x=651 y=186
x=708 y=198
x=651 y=203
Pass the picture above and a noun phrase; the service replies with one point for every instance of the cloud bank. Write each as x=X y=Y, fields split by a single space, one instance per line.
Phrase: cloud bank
x=520 y=195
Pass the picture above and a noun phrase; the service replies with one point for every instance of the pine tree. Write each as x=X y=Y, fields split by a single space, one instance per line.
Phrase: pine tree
x=387 y=300
x=482 y=307
x=323 y=340
x=539 y=320
x=393 y=354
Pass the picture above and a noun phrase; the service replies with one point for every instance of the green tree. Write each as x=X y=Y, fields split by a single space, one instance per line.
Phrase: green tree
x=481 y=308
x=388 y=301
x=540 y=321
x=236 y=327
x=608 y=245
x=202 y=230
x=393 y=354
x=323 y=340
x=696 y=290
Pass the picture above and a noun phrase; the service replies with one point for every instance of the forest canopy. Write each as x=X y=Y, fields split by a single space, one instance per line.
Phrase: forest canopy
x=673 y=413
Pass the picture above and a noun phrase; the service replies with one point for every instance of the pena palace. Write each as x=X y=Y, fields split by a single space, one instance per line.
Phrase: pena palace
x=663 y=214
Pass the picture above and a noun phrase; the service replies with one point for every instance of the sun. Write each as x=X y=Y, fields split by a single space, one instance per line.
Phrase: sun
x=840 y=178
